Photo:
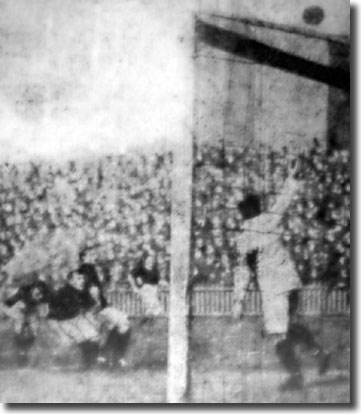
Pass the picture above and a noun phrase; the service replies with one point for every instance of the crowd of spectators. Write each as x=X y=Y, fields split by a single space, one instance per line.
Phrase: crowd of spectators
x=315 y=228
x=124 y=204
x=317 y=224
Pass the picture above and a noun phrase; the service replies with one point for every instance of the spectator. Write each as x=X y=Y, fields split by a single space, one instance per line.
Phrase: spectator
x=130 y=195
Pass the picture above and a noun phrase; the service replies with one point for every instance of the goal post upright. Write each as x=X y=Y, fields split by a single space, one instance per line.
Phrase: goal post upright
x=178 y=324
x=178 y=375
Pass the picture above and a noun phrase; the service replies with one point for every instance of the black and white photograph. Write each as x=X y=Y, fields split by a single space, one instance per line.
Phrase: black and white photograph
x=175 y=197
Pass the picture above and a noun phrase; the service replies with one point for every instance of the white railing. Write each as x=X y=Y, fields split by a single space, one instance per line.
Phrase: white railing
x=218 y=301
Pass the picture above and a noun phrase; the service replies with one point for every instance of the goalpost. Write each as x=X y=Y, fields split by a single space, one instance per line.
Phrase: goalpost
x=178 y=378
x=178 y=375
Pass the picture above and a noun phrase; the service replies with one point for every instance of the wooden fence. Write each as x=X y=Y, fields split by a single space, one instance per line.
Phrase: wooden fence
x=218 y=301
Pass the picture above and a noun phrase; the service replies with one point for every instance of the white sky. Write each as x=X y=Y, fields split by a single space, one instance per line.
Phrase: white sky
x=88 y=75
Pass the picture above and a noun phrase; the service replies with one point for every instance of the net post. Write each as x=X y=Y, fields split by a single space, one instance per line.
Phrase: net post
x=178 y=329
x=178 y=374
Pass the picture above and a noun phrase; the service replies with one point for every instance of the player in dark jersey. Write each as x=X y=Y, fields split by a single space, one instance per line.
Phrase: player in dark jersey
x=71 y=314
x=22 y=308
